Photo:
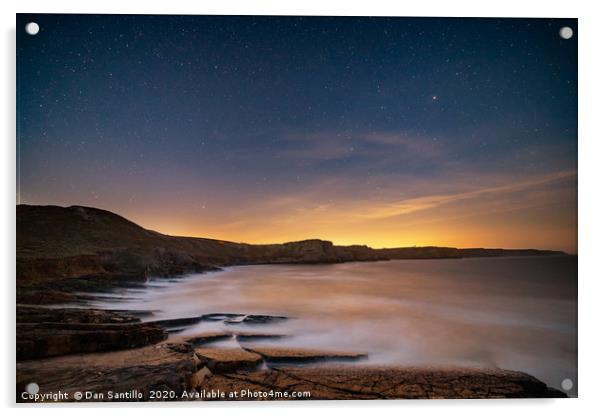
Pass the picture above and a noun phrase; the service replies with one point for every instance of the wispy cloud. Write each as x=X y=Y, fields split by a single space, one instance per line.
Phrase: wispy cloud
x=411 y=205
x=331 y=145
x=339 y=201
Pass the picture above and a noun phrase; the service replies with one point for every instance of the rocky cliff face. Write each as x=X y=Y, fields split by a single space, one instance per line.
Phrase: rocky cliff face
x=421 y=253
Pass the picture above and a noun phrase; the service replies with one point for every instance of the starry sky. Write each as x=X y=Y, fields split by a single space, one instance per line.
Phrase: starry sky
x=380 y=131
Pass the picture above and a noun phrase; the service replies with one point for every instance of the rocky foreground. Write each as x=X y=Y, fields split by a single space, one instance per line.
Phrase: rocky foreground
x=112 y=356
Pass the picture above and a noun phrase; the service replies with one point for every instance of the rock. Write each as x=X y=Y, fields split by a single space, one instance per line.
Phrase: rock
x=197 y=378
x=173 y=367
x=38 y=314
x=197 y=361
x=138 y=313
x=221 y=316
x=256 y=336
x=179 y=322
x=45 y=296
x=358 y=253
x=165 y=366
x=182 y=347
x=226 y=360
x=177 y=330
x=208 y=337
x=353 y=383
x=302 y=355
x=309 y=251
x=42 y=340
x=256 y=319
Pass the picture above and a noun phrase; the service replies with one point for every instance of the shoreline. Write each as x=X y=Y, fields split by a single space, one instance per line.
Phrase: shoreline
x=80 y=290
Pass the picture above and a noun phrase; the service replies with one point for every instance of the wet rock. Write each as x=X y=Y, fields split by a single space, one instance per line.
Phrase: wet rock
x=138 y=313
x=221 y=316
x=227 y=360
x=302 y=355
x=205 y=338
x=256 y=319
x=208 y=337
x=253 y=336
x=177 y=330
x=179 y=322
x=193 y=320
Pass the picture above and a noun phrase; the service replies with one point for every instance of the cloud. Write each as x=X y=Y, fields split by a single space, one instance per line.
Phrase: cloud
x=411 y=205
x=338 y=201
x=328 y=146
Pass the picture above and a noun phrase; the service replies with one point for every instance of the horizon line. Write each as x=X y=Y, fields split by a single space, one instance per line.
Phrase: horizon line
x=474 y=247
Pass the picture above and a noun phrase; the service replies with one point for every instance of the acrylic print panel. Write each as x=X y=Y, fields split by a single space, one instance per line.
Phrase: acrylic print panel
x=285 y=208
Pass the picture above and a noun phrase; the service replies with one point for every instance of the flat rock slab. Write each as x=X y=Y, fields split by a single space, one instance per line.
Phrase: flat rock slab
x=257 y=336
x=207 y=338
x=339 y=383
x=226 y=360
x=303 y=355
x=38 y=314
x=165 y=366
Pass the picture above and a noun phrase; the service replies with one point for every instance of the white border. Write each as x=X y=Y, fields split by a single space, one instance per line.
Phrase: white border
x=590 y=178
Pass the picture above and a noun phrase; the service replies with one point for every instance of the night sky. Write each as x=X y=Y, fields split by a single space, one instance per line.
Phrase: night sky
x=379 y=131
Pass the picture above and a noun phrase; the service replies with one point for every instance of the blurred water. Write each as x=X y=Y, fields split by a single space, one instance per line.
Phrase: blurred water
x=514 y=313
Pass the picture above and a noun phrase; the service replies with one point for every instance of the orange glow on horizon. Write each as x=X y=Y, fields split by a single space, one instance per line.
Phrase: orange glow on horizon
x=502 y=217
x=529 y=212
